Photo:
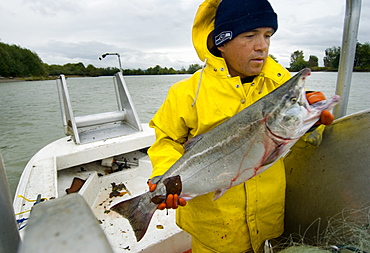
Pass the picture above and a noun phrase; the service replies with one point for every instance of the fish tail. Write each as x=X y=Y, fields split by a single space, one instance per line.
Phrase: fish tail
x=138 y=211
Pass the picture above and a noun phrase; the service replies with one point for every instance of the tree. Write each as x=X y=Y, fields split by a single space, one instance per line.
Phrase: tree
x=362 y=57
x=91 y=70
x=331 y=58
x=16 y=61
x=297 y=61
x=74 y=69
x=273 y=57
x=55 y=70
x=313 y=61
x=193 y=68
x=172 y=71
x=19 y=62
x=32 y=64
x=6 y=61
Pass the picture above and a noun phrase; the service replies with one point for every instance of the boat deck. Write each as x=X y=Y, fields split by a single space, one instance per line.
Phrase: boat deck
x=52 y=170
x=97 y=190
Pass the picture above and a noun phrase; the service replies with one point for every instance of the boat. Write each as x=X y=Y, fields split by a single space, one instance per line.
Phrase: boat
x=328 y=185
x=103 y=158
x=327 y=195
x=64 y=194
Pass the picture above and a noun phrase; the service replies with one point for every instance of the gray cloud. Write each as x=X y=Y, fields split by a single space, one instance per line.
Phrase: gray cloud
x=151 y=32
x=58 y=52
x=55 y=7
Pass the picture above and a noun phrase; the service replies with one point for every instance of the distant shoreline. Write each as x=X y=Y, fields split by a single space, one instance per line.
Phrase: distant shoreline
x=24 y=79
x=10 y=80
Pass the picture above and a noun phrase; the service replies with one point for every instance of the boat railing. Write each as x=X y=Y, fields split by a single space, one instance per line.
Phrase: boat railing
x=95 y=127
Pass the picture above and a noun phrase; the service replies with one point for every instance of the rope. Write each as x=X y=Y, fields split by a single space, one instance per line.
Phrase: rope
x=38 y=200
x=23 y=212
x=30 y=200
x=200 y=81
x=26 y=199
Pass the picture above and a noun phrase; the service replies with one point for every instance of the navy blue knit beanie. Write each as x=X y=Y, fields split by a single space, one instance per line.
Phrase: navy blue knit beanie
x=234 y=17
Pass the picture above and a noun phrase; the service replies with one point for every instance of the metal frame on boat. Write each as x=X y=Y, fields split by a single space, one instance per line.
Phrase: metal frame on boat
x=94 y=127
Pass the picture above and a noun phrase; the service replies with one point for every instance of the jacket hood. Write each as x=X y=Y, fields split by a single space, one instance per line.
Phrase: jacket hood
x=202 y=31
x=203 y=27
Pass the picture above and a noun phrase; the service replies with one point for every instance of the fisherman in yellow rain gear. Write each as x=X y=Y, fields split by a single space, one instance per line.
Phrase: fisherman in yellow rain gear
x=232 y=38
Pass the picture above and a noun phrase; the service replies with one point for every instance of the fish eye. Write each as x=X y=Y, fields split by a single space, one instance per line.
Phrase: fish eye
x=293 y=100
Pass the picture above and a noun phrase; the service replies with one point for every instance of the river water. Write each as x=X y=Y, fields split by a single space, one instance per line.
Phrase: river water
x=30 y=113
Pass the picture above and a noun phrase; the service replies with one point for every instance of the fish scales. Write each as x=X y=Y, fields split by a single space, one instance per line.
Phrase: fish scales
x=234 y=151
x=224 y=155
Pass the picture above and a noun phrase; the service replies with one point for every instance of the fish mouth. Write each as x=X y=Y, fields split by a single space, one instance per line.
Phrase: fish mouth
x=329 y=103
x=323 y=105
x=278 y=139
x=292 y=127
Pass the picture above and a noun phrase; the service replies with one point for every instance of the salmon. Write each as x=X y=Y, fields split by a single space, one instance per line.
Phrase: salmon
x=238 y=149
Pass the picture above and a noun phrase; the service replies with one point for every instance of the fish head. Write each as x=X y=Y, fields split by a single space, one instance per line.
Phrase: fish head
x=292 y=115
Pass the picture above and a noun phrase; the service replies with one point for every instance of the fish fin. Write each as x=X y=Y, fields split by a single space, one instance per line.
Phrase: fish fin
x=137 y=213
x=274 y=156
x=219 y=193
x=190 y=143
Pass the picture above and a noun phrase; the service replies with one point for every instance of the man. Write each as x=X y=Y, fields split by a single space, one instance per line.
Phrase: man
x=233 y=39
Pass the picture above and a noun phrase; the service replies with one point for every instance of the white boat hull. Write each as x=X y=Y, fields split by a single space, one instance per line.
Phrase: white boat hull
x=51 y=171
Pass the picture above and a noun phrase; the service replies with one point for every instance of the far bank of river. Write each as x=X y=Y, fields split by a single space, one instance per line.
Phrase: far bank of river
x=43 y=78
x=9 y=80
x=22 y=79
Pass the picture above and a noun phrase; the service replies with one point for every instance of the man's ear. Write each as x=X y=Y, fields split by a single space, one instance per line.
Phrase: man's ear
x=221 y=48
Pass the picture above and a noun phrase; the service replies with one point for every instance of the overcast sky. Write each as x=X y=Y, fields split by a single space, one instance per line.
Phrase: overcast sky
x=151 y=32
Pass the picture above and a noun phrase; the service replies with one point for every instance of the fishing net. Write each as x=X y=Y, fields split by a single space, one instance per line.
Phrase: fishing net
x=303 y=249
x=348 y=231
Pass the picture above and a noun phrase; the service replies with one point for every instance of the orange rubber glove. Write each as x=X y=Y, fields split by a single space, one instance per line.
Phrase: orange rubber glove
x=326 y=117
x=173 y=201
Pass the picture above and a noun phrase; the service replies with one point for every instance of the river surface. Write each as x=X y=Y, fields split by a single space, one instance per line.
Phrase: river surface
x=30 y=113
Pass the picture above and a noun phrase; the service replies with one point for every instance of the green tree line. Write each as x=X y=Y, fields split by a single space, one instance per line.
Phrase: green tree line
x=331 y=59
x=16 y=61
x=79 y=69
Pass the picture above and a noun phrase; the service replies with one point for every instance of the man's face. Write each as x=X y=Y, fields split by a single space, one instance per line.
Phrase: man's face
x=246 y=54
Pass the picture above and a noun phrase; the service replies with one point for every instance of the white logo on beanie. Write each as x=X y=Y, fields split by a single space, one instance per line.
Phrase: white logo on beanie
x=222 y=37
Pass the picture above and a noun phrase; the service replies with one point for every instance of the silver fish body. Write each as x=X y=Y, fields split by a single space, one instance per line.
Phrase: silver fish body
x=233 y=152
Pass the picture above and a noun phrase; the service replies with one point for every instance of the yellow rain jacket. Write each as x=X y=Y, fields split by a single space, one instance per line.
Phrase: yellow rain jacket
x=249 y=213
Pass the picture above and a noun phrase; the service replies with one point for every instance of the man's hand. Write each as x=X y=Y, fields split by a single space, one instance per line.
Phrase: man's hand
x=326 y=117
x=173 y=201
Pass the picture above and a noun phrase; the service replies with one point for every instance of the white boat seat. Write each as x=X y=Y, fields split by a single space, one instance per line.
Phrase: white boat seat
x=100 y=118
